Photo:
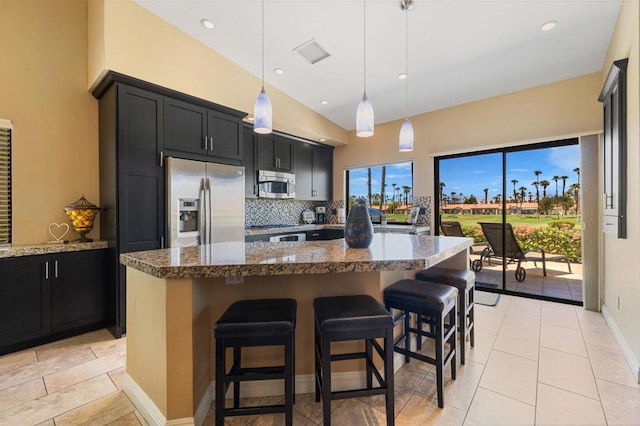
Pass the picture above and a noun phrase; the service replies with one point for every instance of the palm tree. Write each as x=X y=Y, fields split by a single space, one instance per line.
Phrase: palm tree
x=394 y=192
x=515 y=195
x=442 y=185
x=369 y=184
x=453 y=196
x=383 y=185
x=556 y=179
x=406 y=189
x=397 y=194
x=564 y=183
x=522 y=190
x=544 y=184
x=461 y=198
x=486 y=195
x=577 y=171
x=537 y=173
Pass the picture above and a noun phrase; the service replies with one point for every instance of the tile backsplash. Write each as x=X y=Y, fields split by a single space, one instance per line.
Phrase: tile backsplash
x=260 y=212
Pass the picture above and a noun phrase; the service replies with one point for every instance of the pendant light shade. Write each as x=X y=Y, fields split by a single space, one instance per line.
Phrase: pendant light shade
x=364 y=118
x=364 y=111
x=262 y=113
x=406 y=137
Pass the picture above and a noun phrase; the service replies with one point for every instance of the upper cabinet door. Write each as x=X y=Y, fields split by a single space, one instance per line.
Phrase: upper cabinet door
x=322 y=174
x=225 y=136
x=185 y=127
x=304 y=171
x=139 y=127
x=283 y=151
x=274 y=153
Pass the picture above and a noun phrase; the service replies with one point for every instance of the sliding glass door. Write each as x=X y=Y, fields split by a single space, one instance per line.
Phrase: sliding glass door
x=521 y=206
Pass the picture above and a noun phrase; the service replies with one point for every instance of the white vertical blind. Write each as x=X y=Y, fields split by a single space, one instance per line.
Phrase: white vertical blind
x=5 y=182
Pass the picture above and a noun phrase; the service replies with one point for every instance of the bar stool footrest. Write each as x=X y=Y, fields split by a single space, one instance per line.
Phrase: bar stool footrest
x=257 y=410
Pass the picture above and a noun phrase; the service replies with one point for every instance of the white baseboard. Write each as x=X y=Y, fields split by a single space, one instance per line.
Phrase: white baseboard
x=629 y=356
x=148 y=408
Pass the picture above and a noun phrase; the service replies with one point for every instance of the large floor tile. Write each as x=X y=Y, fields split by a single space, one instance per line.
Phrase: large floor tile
x=490 y=408
x=36 y=370
x=280 y=420
x=560 y=316
x=557 y=407
x=52 y=405
x=567 y=371
x=109 y=347
x=353 y=412
x=487 y=321
x=511 y=376
x=599 y=335
x=101 y=411
x=420 y=410
x=21 y=393
x=482 y=348
x=128 y=420
x=621 y=403
x=82 y=372
x=309 y=408
x=411 y=374
x=457 y=393
x=62 y=347
x=518 y=341
x=17 y=360
x=117 y=376
x=562 y=339
x=517 y=318
x=609 y=364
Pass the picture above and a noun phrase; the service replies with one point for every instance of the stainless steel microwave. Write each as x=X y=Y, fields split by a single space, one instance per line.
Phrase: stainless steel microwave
x=276 y=184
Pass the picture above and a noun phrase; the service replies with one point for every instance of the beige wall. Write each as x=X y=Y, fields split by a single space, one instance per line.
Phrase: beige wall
x=55 y=120
x=621 y=269
x=547 y=112
x=137 y=43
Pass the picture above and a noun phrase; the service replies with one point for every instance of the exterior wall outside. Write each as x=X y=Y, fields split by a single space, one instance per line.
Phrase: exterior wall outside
x=621 y=269
x=55 y=119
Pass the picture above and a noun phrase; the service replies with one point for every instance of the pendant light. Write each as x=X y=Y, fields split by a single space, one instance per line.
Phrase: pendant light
x=364 y=112
x=405 y=142
x=262 y=112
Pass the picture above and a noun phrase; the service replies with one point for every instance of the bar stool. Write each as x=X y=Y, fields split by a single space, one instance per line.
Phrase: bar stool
x=465 y=282
x=436 y=305
x=259 y=322
x=358 y=317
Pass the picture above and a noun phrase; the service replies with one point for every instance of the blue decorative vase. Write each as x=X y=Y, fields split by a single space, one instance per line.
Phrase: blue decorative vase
x=358 y=231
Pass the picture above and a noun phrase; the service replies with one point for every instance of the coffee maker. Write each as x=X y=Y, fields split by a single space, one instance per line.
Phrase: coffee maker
x=321 y=215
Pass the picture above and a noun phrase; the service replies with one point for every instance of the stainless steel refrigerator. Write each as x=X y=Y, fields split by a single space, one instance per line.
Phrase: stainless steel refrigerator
x=205 y=203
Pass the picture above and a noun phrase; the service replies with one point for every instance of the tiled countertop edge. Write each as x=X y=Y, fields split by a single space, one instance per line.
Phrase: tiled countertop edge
x=39 y=249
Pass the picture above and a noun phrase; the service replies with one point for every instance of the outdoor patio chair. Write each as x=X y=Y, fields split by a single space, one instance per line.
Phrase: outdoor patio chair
x=454 y=229
x=510 y=249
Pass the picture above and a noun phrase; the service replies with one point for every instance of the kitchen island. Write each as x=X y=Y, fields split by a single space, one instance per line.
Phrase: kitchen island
x=175 y=295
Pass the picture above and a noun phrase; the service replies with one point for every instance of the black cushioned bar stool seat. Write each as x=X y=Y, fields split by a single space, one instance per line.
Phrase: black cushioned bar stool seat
x=465 y=282
x=358 y=317
x=259 y=322
x=435 y=304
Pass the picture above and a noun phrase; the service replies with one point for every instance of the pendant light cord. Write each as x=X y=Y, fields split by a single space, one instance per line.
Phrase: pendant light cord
x=263 y=45
x=406 y=66
x=364 y=40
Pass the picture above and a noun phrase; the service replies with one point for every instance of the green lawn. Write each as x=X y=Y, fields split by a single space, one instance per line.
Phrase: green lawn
x=472 y=220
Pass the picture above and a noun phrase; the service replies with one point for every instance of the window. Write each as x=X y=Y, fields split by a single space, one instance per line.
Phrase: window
x=5 y=182
x=387 y=188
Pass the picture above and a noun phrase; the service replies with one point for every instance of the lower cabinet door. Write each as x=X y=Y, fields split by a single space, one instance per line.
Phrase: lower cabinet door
x=25 y=300
x=78 y=289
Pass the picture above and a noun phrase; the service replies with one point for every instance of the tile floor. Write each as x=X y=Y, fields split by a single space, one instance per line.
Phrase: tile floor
x=558 y=283
x=534 y=362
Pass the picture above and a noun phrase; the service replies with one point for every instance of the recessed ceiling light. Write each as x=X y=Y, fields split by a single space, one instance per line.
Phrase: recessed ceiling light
x=278 y=71
x=207 y=24
x=322 y=139
x=548 y=26
x=324 y=102
x=402 y=76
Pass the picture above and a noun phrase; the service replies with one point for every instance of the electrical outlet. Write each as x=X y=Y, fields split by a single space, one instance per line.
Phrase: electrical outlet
x=234 y=280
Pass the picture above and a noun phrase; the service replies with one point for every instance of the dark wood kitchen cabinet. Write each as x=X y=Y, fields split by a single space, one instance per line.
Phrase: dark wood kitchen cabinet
x=132 y=183
x=274 y=152
x=48 y=297
x=196 y=130
x=314 y=172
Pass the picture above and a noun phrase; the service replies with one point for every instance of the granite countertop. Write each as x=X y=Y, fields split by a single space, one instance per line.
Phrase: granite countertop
x=401 y=229
x=388 y=252
x=33 y=250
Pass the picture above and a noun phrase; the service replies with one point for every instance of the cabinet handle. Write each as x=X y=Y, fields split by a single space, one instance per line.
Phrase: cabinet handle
x=211 y=143
x=46 y=270
x=55 y=269
x=161 y=158
x=255 y=189
x=204 y=144
x=162 y=242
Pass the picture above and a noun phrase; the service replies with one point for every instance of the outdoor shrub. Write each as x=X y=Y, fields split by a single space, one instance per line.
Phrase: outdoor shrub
x=561 y=224
x=560 y=239
x=473 y=232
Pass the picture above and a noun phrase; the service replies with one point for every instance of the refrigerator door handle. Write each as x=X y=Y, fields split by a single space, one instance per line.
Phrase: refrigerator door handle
x=202 y=212
x=209 y=217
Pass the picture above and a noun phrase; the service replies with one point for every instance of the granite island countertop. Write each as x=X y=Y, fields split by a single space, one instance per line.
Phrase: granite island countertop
x=387 y=252
x=39 y=249
x=377 y=228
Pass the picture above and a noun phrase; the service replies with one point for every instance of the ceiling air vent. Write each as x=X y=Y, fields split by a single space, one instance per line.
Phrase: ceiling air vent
x=312 y=51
